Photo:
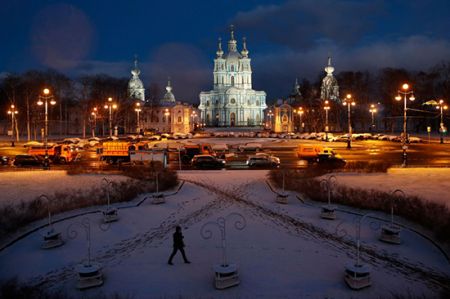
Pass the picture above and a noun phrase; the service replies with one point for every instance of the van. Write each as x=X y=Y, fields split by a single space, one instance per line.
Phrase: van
x=309 y=152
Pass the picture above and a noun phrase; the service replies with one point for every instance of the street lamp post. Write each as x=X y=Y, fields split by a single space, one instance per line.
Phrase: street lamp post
x=43 y=100
x=442 y=107
x=270 y=114
x=349 y=102
x=372 y=110
x=300 y=113
x=138 y=109
x=110 y=105
x=94 y=114
x=194 y=119
x=13 y=111
x=167 y=114
x=326 y=108
x=405 y=92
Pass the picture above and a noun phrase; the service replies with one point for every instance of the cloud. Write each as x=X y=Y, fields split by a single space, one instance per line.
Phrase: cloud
x=188 y=68
x=61 y=36
x=190 y=71
x=300 y=24
x=276 y=71
x=93 y=67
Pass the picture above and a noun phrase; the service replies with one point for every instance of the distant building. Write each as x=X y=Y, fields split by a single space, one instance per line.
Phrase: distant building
x=232 y=102
x=170 y=116
x=295 y=97
x=330 y=88
x=280 y=117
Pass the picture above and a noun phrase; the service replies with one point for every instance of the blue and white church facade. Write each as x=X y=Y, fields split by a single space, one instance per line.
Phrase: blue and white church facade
x=232 y=102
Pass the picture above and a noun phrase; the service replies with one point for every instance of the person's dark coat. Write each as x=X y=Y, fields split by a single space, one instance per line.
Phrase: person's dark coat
x=178 y=240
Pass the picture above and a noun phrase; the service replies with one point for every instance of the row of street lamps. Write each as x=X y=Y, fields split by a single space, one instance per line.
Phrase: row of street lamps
x=110 y=106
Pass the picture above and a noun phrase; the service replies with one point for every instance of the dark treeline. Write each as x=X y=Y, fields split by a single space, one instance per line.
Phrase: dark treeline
x=75 y=99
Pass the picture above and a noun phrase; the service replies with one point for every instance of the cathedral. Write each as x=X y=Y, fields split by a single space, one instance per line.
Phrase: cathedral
x=232 y=102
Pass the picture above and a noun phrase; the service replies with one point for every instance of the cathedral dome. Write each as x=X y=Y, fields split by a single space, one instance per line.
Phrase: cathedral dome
x=135 y=86
x=169 y=97
x=232 y=56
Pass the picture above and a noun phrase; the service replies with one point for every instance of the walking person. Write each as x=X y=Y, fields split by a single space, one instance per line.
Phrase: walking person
x=178 y=244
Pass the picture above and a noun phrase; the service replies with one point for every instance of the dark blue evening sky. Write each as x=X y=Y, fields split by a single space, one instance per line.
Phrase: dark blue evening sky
x=286 y=39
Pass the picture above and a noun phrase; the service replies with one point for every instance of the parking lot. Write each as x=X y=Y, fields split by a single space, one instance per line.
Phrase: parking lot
x=236 y=148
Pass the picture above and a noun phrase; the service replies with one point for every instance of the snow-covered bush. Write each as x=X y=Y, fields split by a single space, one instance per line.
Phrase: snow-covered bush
x=431 y=215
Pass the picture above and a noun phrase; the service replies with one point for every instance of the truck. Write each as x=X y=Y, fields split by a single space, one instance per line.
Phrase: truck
x=309 y=152
x=115 y=151
x=60 y=153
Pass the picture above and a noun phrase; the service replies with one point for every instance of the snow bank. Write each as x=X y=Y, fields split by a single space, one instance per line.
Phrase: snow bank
x=27 y=185
x=428 y=183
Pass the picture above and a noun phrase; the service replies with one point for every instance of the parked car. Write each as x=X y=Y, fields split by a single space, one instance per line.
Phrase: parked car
x=28 y=160
x=4 y=160
x=263 y=160
x=250 y=147
x=330 y=160
x=207 y=161
x=414 y=140
x=33 y=143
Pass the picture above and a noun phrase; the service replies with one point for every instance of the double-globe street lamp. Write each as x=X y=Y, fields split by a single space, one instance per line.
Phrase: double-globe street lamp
x=270 y=115
x=372 y=110
x=94 y=114
x=13 y=111
x=138 y=109
x=405 y=91
x=44 y=99
x=110 y=105
x=326 y=107
x=442 y=129
x=194 y=120
x=300 y=112
x=349 y=102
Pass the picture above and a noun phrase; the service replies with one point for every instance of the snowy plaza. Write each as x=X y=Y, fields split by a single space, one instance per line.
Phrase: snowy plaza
x=284 y=251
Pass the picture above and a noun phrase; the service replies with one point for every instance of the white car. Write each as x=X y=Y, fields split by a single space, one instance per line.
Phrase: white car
x=414 y=140
x=251 y=146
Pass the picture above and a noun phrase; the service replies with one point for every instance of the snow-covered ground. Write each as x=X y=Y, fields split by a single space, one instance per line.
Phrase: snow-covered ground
x=428 y=183
x=285 y=251
x=27 y=185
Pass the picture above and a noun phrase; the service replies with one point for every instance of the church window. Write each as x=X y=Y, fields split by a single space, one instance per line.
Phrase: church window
x=233 y=101
x=163 y=119
x=179 y=111
x=232 y=68
x=179 y=119
x=232 y=80
x=257 y=103
x=207 y=103
x=284 y=119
